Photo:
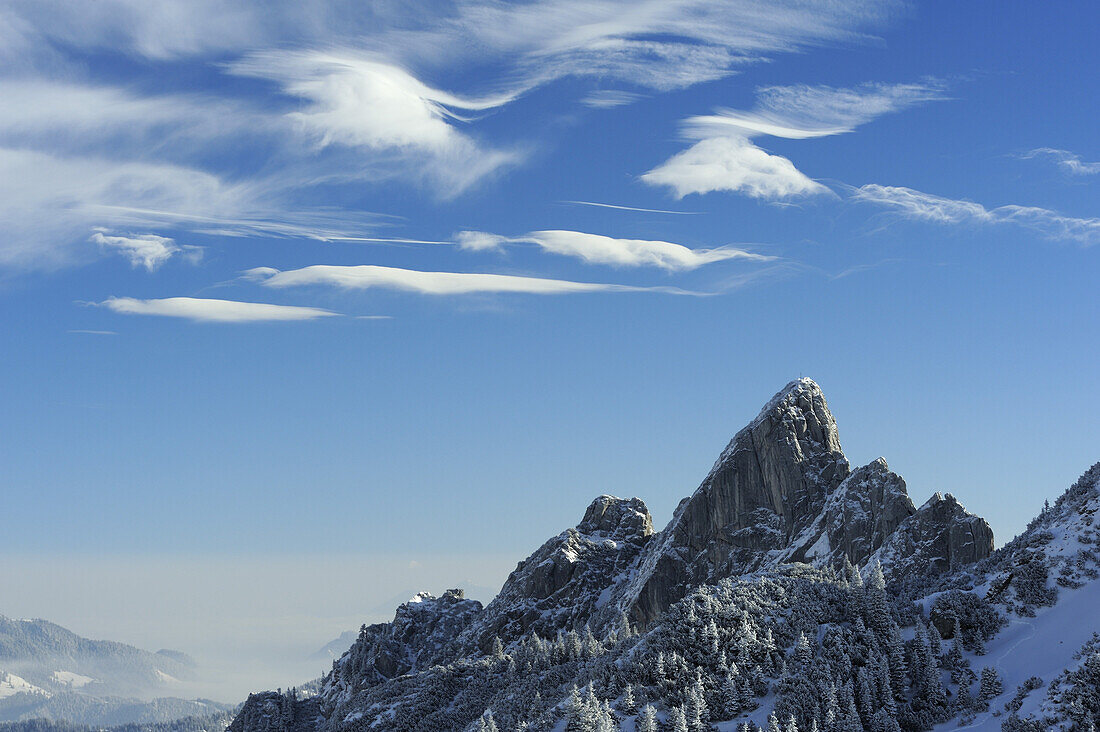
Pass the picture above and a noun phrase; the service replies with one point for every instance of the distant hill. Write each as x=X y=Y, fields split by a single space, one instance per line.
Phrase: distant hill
x=49 y=672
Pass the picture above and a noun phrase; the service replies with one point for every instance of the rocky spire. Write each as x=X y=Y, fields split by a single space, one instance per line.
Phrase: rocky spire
x=767 y=487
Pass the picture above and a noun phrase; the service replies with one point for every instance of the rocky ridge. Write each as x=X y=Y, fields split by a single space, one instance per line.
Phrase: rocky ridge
x=781 y=492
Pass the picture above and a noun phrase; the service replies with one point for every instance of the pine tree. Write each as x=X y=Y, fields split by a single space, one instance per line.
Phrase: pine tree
x=773 y=724
x=803 y=652
x=574 y=710
x=896 y=658
x=677 y=722
x=498 y=649
x=628 y=705
x=647 y=719
x=698 y=713
x=792 y=725
x=989 y=686
x=876 y=606
x=626 y=630
x=964 y=702
x=729 y=696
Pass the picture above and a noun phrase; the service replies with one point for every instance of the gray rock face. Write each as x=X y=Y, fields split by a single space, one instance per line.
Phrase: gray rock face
x=857 y=518
x=939 y=537
x=564 y=583
x=767 y=487
x=423 y=633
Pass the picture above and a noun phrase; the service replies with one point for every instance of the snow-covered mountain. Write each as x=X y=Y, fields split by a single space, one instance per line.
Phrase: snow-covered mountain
x=788 y=591
x=49 y=672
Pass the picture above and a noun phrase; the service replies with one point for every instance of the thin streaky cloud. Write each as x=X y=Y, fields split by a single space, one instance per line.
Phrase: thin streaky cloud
x=92 y=332
x=608 y=98
x=214 y=311
x=1069 y=162
x=384 y=240
x=913 y=204
x=362 y=277
x=634 y=208
x=599 y=249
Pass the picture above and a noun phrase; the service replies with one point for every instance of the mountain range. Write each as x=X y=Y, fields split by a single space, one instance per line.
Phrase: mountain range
x=48 y=672
x=788 y=592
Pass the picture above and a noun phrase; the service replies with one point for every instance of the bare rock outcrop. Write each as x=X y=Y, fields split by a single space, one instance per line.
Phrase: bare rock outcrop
x=940 y=537
x=570 y=577
x=858 y=517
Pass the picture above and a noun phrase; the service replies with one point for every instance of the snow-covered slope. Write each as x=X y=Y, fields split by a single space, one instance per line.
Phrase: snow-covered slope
x=48 y=672
x=10 y=685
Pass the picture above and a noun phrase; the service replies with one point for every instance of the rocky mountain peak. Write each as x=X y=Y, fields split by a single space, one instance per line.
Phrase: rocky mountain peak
x=768 y=485
x=616 y=518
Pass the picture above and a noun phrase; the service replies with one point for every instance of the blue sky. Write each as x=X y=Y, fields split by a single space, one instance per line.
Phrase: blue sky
x=402 y=281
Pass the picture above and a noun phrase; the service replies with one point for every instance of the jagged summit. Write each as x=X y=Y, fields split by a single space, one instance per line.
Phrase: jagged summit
x=616 y=518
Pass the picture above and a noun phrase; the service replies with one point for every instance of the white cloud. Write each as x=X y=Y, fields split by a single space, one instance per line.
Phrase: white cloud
x=481 y=241
x=360 y=116
x=1068 y=161
x=732 y=163
x=363 y=102
x=598 y=249
x=366 y=276
x=725 y=159
x=147 y=250
x=213 y=311
x=917 y=205
x=607 y=98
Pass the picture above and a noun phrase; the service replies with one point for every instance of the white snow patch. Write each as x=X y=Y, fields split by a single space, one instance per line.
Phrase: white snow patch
x=69 y=678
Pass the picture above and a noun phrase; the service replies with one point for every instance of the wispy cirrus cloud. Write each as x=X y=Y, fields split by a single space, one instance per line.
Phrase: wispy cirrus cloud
x=1067 y=161
x=920 y=206
x=147 y=250
x=669 y=42
x=331 y=117
x=212 y=310
x=726 y=159
x=598 y=249
x=366 y=276
x=802 y=111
